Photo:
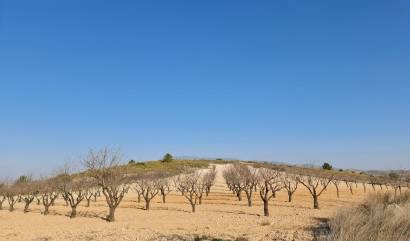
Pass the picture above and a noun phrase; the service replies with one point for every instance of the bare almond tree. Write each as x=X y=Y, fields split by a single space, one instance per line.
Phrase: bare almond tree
x=13 y=195
x=176 y=183
x=355 y=183
x=38 y=198
x=96 y=193
x=103 y=166
x=397 y=185
x=49 y=193
x=73 y=188
x=29 y=191
x=137 y=189
x=290 y=183
x=316 y=185
x=269 y=184
x=364 y=186
x=234 y=179
x=336 y=183
x=248 y=177
x=2 y=194
x=374 y=181
x=397 y=182
x=88 y=196
x=201 y=185
x=189 y=184
x=149 y=188
x=209 y=180
x=205 y=179
x=349 y=185
x=372 y=184
x=164 y=187
x=73 y=191
x=90 y=190
x=74 y=195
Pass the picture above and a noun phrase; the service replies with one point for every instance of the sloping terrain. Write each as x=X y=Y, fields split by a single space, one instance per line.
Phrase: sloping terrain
x=220 y=216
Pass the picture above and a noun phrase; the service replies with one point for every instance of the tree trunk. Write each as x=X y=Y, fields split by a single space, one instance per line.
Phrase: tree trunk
x=266 y=208
x=147 y=205
x=163 y=198
x=337 y=192
x=200 y=200
x=193 y=207
x=38 y=201
x=249 y=197
x=111 y=215
x=73 y=212
x=315 y=202
x=45 y=210
x=238 y=194
x=290 y=196
x=88 y=202
x=26 y=207
x=11 y=208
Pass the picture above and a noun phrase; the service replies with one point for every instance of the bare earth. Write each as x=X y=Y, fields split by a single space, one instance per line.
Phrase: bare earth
x=220 y=216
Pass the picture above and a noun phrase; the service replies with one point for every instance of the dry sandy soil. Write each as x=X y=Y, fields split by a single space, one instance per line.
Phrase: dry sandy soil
x=220 y=216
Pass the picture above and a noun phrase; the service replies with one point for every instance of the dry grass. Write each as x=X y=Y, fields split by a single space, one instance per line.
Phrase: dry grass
x=381 y=217
x=173 y=166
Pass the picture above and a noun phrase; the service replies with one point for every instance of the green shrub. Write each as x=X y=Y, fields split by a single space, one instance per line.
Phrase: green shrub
x=327 y=166
x=167 y=158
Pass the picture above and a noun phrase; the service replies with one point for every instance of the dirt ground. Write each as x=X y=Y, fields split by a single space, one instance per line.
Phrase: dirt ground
x=220 y=216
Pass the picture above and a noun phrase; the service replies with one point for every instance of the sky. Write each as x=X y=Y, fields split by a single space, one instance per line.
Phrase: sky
x=285 y=81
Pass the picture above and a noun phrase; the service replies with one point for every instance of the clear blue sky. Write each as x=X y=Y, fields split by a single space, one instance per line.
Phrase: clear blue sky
x=291 y=81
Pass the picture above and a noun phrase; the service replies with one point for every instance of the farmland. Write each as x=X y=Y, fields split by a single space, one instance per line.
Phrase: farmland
x=220 y=215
